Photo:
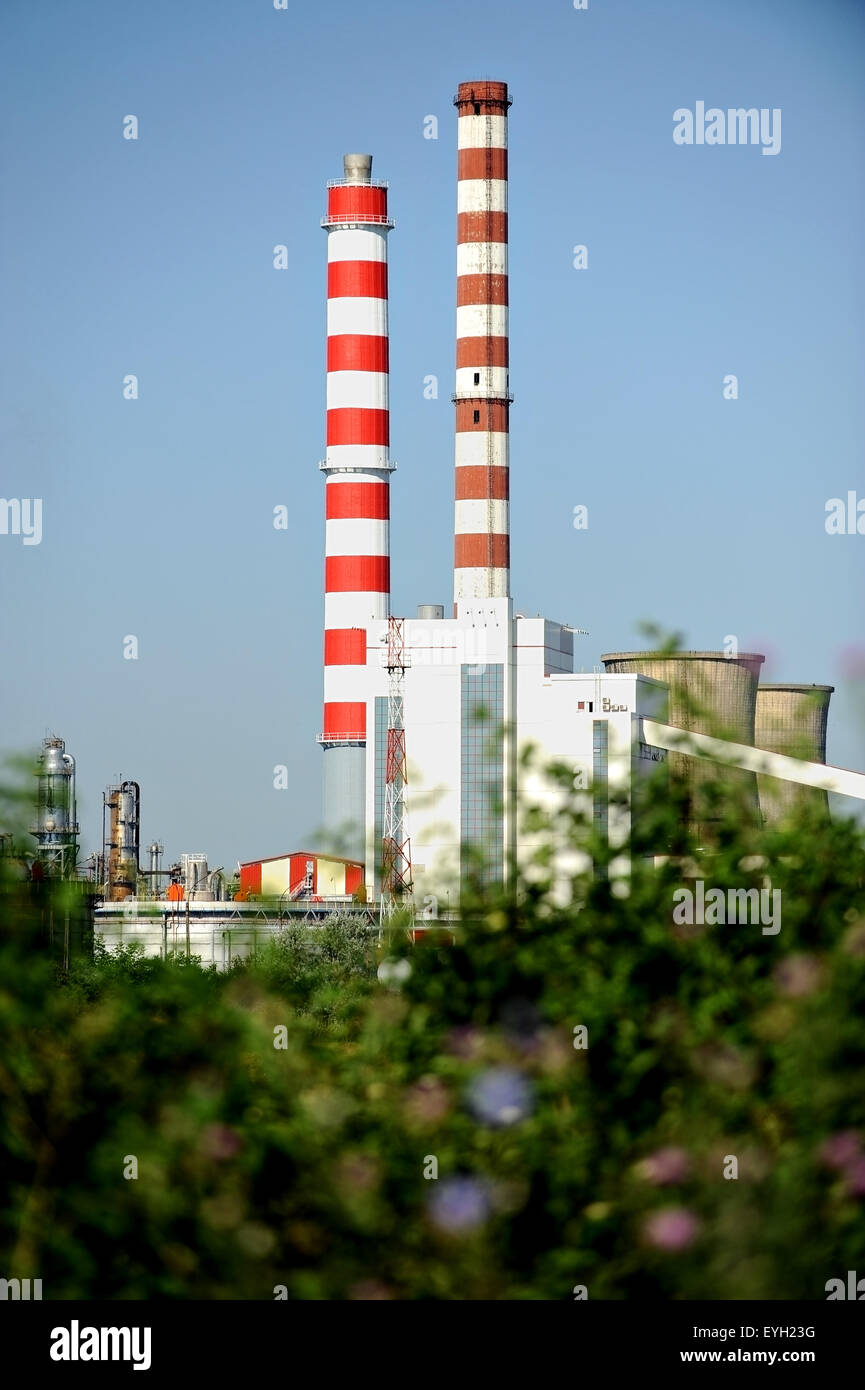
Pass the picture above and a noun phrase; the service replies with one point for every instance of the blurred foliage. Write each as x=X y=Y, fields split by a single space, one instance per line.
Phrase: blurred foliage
x=287 y=1116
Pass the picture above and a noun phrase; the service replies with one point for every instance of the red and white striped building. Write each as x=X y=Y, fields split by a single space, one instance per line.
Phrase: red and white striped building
x=357 y=466
x=300 y=876
x=482 y=397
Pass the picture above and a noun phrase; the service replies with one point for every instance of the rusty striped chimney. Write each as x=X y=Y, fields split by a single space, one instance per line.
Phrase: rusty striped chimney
x=481 y=396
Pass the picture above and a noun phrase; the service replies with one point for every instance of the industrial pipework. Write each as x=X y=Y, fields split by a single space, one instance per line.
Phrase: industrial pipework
x=121 y=848
x=56 y=824
x=357 y=468
x=482 y=396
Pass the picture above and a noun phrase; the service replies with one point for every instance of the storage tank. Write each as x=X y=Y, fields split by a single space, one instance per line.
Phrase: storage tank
x=710 y=693
x=56 y=824
x=195 y=872
x=791 y=719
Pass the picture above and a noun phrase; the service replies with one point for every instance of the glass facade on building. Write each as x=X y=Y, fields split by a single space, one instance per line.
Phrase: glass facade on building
x=482 y=769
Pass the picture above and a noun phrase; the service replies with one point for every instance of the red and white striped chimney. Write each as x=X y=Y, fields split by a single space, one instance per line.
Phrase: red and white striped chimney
x=482 y=398
x=357 y=562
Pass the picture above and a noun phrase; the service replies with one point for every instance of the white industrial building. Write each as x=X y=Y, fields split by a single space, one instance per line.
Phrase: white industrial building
x=466 y=680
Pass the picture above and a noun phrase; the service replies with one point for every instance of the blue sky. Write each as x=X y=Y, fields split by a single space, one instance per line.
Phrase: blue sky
x=154 y=257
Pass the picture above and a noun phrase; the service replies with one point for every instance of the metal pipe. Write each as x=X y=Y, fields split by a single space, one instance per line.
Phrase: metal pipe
x=739 y=755
x=70 y=763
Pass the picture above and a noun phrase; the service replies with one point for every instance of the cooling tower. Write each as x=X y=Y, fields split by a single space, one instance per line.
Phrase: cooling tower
x=791 y=719
x=710 y=693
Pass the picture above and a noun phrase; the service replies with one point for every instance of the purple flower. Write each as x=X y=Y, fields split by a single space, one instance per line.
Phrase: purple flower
x=665 y=1166
x=458 y=1205
x=725 y=1065
x=798 y=975
x=357 y=1173
x=671 y=1229
x=841 y=1149
x=427 y=1101
x=220 y=1142
x=369 y=1290
x=500 y=1096
x=855 y=1176
x=465 y=1042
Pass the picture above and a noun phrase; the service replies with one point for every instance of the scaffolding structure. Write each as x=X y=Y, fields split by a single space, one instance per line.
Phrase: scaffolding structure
x=397 y=886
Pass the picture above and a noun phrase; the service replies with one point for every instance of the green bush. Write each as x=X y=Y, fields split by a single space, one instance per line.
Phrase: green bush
x=286 y=1117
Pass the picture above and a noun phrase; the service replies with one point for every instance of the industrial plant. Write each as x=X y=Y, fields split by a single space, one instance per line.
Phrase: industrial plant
x=427 y=720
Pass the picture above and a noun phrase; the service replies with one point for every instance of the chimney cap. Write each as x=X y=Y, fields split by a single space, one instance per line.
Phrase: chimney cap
x=357 y=168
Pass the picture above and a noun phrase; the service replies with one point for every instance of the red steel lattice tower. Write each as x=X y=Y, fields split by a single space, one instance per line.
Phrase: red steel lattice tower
x=396 y=844
x=481 y=396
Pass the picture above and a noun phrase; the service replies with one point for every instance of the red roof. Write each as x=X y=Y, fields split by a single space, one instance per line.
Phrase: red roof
x=306 y=853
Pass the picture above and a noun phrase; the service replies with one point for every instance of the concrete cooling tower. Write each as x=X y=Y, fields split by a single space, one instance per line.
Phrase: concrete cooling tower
x=791 y=719
x=710 y=693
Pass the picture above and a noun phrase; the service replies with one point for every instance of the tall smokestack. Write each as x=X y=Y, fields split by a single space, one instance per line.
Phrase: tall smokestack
x=482 y=399
x=357 y=465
